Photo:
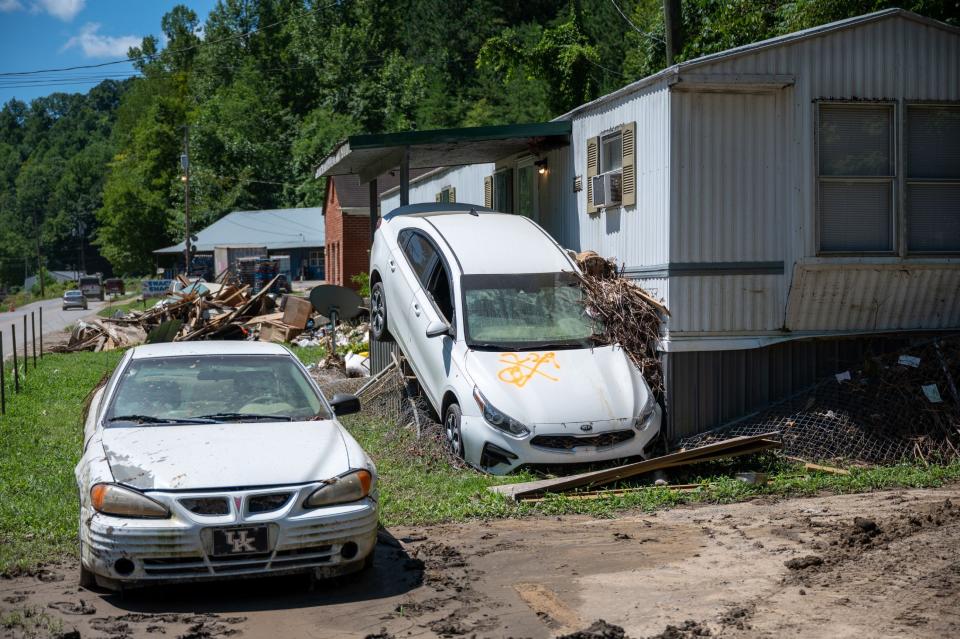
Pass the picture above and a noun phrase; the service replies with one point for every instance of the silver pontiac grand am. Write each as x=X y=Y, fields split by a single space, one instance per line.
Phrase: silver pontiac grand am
x=206 y=460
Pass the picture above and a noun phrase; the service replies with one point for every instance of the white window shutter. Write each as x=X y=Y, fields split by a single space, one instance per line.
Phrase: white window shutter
x=488 y=191
x=593 y=162
x=629 y=187
x=453 y=194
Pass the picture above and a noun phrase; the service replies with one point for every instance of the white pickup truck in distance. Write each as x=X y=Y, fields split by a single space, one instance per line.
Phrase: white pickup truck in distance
x=489 y=312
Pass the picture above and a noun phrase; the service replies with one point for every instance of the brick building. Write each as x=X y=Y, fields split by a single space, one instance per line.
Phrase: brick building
x=346 y=211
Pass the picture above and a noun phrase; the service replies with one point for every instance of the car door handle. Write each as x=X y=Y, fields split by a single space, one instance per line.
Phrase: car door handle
x=416 y=309
x=393 y=265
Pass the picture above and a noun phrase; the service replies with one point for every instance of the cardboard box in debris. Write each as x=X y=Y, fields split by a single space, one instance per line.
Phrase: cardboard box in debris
x=200 y=310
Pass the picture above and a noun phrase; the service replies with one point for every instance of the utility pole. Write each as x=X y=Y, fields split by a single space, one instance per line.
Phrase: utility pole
x=185 y=164
x=673 y=25
x=36 y=231
x=81 y=233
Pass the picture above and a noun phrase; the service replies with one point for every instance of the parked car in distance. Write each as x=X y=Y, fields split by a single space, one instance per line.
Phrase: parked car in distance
x=115 y=286
x=74 y=299
x=488 y=310
x=206 y=460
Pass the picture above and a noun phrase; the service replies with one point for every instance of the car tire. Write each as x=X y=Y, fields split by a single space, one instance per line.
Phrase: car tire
x=87 y=579
x=451 y=427
x=378 y=314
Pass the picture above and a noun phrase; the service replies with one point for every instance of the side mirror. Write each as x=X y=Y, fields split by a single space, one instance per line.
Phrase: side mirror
x=344 y=404
x=437 y=328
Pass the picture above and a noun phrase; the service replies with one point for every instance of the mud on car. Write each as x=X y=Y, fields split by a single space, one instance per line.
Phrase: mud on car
x=488 y=310
x=206 y=460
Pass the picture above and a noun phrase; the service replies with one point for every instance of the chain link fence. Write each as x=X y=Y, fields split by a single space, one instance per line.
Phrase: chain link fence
x=896 y=407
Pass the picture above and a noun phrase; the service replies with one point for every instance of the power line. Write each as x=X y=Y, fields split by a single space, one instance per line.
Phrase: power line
x=202 y=43
x=645 y=34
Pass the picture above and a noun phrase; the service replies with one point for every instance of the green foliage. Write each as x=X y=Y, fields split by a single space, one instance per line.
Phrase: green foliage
x=101 y=170
x=363 y=281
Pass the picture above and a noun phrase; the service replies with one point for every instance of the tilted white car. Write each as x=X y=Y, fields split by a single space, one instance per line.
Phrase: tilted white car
x=488 y=311
x=212 y=459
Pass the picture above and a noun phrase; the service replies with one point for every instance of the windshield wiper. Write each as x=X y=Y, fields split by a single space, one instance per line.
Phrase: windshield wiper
x=244 y=416
x=150 y=419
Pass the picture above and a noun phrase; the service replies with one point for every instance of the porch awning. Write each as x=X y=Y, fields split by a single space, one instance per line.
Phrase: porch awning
x=371 y=155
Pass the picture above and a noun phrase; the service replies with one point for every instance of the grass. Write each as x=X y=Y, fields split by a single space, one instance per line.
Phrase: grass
x=124 y=304
x=41 y=438
x=31 y=622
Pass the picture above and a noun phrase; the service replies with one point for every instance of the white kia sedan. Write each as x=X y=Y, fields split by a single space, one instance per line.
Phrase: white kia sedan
x=489 y=312
x=207 y=460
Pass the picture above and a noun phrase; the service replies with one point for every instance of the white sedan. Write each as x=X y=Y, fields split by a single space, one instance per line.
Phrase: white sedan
x=489 y=312
x=207 y=460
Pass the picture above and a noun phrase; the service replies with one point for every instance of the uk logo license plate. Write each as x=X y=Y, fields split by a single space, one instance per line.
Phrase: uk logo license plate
x=241 y=541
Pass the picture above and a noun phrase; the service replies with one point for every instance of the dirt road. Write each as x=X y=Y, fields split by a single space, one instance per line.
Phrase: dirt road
x=885 y=564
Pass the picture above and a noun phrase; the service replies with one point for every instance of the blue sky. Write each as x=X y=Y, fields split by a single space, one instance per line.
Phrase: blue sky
x=52 y=34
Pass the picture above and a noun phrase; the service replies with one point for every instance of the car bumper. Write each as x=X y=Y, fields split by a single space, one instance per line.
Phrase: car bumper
x=478 y=437
x=326 y=541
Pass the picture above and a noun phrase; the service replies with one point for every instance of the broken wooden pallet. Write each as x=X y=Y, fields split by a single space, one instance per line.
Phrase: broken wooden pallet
x=719 y=450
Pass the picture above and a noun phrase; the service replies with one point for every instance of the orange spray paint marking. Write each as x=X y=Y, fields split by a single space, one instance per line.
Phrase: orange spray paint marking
x=520 y=370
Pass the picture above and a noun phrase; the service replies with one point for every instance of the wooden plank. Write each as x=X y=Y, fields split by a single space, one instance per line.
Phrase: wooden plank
x=614 y=492
x=607 y=475
x=833 y=470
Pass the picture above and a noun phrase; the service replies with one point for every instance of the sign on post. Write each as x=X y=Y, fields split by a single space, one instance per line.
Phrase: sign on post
x=155 y=288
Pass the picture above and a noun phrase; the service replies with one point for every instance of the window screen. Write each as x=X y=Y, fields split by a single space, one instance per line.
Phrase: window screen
x=856 y=176
x=933 y=178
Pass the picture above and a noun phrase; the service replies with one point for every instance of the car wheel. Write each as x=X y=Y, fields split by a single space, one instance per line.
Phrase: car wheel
x=451 y=426
x=378 y=314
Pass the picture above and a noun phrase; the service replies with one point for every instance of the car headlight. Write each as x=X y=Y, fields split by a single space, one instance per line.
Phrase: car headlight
x=498 y=419
x=352 y=486
x=641 y=421
x=119 y=501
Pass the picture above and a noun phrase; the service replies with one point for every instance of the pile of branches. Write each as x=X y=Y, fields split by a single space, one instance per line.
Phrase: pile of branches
x=625 y=313
x=200 y=310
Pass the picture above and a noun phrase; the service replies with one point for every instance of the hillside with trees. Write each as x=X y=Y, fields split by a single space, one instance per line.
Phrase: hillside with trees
x=268 y=87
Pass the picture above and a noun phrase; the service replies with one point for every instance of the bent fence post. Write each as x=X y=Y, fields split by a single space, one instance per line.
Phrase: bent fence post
x=3 y=380
x=33 y=338
x=16 y=371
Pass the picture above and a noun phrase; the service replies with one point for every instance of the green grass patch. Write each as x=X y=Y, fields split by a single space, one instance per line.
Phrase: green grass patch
x=41 y=437
x=125 y=305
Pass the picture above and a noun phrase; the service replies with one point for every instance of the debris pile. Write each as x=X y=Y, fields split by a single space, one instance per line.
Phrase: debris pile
x=626 y=314
x=903 y=406
x=199 y=310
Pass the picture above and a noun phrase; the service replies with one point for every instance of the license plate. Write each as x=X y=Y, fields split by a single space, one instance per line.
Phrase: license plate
x=241 y=541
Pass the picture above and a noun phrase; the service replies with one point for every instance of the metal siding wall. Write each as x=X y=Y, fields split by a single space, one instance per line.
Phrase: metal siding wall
x=635 y=235
x=894 y=58
x=468 y=180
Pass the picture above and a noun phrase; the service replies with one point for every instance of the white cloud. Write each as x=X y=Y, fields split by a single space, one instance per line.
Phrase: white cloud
x=95 y=45
x=63 y=9
x=7 y=6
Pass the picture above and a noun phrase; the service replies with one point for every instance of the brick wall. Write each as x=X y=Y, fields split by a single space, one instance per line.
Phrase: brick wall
x=348 y=241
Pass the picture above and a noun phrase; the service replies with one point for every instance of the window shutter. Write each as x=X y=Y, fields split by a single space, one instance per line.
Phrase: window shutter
x=593 y=159
x=488 y=191
x=629 y=186
x=453 y=194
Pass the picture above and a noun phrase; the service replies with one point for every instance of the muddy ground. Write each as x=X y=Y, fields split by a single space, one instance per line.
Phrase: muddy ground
x=884 y=564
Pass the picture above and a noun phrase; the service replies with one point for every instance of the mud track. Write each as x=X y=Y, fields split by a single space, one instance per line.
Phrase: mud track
x=884 y=564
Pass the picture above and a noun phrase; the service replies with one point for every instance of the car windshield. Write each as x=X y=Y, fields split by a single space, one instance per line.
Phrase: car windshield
x=526 y=311
x=72 y=294
x=214 y=388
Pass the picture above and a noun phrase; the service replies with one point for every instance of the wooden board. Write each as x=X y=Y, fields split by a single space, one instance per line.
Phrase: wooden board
x=728 y=448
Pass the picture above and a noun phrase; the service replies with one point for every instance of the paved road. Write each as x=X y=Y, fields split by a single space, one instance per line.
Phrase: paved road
x=54 y=321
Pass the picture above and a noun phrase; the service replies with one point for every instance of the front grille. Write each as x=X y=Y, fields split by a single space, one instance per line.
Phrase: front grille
x=568 y=442
x=267 y=503
x=207 y=505
x=171 y=567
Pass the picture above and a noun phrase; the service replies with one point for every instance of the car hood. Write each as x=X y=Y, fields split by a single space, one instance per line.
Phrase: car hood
x=224 y=455
x=573 y=386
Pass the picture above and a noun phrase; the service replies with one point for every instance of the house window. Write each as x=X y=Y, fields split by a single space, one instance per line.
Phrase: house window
x=316 y=259
x=611 y=152
x=933 y=178
x=856 y=176
x=503 y=191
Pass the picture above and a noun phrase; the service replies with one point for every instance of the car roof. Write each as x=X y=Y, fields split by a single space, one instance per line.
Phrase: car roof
x=500 y=243
x=210 y=347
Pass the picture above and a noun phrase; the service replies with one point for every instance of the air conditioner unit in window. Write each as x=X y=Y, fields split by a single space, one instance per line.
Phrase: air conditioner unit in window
x=607 y=189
